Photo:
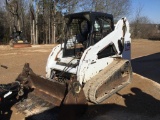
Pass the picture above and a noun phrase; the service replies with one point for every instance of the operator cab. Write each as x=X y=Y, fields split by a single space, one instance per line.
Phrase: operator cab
x=84 y=30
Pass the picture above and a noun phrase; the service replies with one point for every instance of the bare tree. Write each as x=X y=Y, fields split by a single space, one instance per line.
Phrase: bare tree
x=141 y=25
x=36 y=20
x=13 y=8
x=32 y=22
x=34 y=14
x=118 y=8
x=136 y=21
x=16 y=10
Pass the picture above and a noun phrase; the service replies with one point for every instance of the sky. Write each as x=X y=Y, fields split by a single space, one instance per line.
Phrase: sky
x=150 y=9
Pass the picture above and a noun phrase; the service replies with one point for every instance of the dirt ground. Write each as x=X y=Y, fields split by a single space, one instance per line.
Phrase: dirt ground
x=139 y=100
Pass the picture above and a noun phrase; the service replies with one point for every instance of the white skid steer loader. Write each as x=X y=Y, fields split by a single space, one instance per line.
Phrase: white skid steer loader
x=91 y=64
x=96 y=52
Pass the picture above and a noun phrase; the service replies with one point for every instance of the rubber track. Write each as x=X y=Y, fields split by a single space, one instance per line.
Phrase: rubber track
x=92 y=85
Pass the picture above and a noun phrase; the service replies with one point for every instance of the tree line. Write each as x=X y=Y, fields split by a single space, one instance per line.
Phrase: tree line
x=41 y=21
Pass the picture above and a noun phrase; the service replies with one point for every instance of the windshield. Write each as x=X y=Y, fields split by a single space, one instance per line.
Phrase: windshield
x=76 y=35
x=82 y=32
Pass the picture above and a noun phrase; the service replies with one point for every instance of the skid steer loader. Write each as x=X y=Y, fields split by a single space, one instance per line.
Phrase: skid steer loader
x=96 y=52
x=91 y=64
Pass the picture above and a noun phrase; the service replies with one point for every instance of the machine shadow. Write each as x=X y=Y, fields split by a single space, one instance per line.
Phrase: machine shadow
x=136 y=103
x=148 y=66
x=141 y=103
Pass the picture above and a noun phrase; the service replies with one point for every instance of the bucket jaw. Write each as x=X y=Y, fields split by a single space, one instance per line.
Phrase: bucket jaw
x=41 y=94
